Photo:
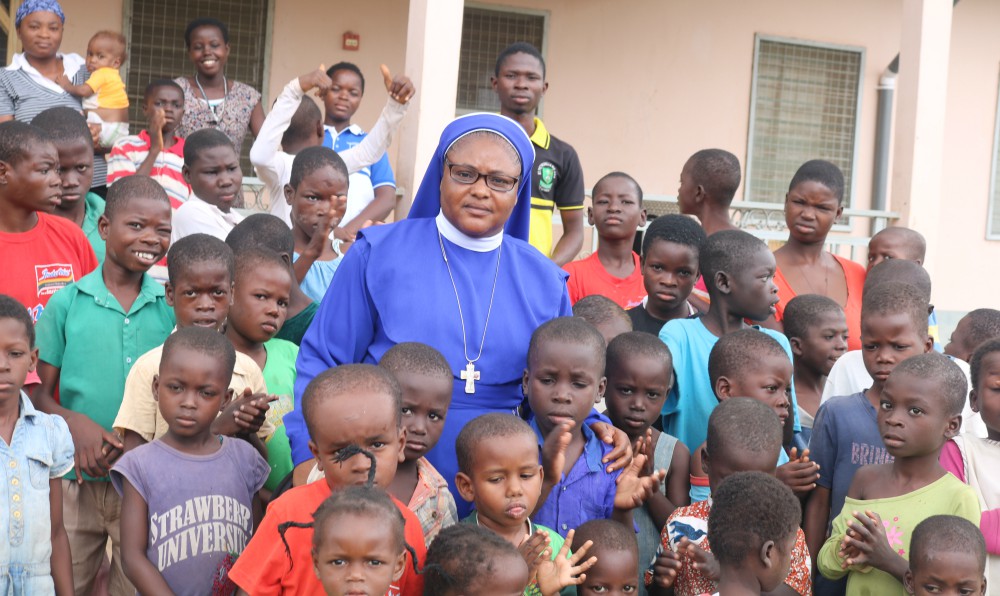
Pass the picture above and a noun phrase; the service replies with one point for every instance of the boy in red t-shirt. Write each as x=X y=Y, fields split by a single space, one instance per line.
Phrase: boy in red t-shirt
x=613 y=271
x=353 y=405
x=39 y=252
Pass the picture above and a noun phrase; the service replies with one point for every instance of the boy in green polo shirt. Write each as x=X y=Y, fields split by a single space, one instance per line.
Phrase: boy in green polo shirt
x=89 y=336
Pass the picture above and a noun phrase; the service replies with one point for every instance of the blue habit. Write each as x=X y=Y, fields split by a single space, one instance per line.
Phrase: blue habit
x=393 y=287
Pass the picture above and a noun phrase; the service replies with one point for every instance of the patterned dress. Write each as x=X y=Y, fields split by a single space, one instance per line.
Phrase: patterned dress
x=233 y=115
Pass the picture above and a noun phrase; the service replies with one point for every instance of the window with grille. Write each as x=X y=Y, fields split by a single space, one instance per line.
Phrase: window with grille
x=993 y=221
x=804 y=105
x=485 y=33
x=156 y=45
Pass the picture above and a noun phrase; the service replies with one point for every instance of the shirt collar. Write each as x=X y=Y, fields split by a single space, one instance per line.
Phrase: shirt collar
x=27 y=408
x=72 y=63
x=92 y=284
x=541 y=136
x=456 y=236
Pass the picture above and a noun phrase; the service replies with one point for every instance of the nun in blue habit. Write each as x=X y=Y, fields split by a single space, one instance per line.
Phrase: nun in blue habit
x=458 y=274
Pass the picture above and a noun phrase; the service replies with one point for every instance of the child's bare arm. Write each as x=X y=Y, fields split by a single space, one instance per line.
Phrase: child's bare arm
x=61 y=562
x=659 y=505
x=815 y=520
x=135 y=538
x=83 y=90
x=155 y=129
x=96 y=448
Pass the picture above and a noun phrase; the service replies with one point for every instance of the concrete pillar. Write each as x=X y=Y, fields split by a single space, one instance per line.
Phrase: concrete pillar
x=433 y=44
x=920 y=117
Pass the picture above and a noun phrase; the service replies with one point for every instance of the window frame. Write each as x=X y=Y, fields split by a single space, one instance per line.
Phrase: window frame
x=994 y=186
x=544 y=49
x=862 y=53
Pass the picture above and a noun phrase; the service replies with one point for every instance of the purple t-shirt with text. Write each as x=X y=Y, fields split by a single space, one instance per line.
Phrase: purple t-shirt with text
x=200 y=508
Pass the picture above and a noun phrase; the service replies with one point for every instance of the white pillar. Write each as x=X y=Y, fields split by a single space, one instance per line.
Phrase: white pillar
x=920 y=115
x=433 y=44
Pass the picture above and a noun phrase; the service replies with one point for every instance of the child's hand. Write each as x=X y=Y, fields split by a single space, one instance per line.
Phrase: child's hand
x=866 y=543
x=644 y=446
x=316 y=79
x=621 y=455
x=155 y=128
x=325 y=225
x=634 y=487
x=800 y=474
x=244 y=415
x=564 y=570
x=400 y=87
x=665 y=568
x=533 y=548
x=554 y=452
x=96 y=448
x=63 y=81
x=702 y=560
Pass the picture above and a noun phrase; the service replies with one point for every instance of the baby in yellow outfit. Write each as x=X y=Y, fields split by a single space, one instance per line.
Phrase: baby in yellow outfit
x=104 y=97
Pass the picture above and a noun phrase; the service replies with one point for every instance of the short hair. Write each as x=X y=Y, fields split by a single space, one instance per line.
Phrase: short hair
x=158 y=84
x=976 y=361
x=63 y=125
x=12 y=309
x=940 y=373
x=623 y=176
x=488 y=427
x=739 y=352
x=115 y=37
x=945 y=534
x=822 y=171
x=347 y=379
x=718 y=172
x=898 y=270
x=805 y=311
x=895 y=297
x=607 y=534
x=207 y=342
x=749 y=509
x=638 y=344
x=913 y=239
x=360 y=501
x=416 y=357
x=205 y=22
x=347 y=66
x=461 y=556
x=727 y=251
x=198 y=248
x=137 y=186
x=598 y=310
x=303 y=122
x=18 y=139
x=518 y=47
x=575 y=330
x=676 y=228
x=984 y=324
x=203 y=140
x=251 y=259
x=311 y=159
x=263 y=230
x=746 y=425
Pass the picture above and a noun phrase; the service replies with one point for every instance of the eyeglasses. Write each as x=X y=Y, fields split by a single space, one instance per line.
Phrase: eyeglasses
x=468 y=175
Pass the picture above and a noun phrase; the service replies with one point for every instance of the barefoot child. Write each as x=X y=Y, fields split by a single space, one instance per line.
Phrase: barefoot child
x=499 y=473
x=91 y=335
x=563 y=380
x=426 y=381
x=317 y=195
x=156 y=151
x=359 y=542
x=39 y=561
x=190 y=482
x=104 y=97
x=816 y=328
x=744 y=435
x=753 y=529
x=349 y=410
x=920 y=409
x=947 y=556
x=670 y=249
x=260 y=305
x=974 y=460
x=212 y=169
x=469 y=560
x=640 y=372
x=613 y=270
x=617 y=555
